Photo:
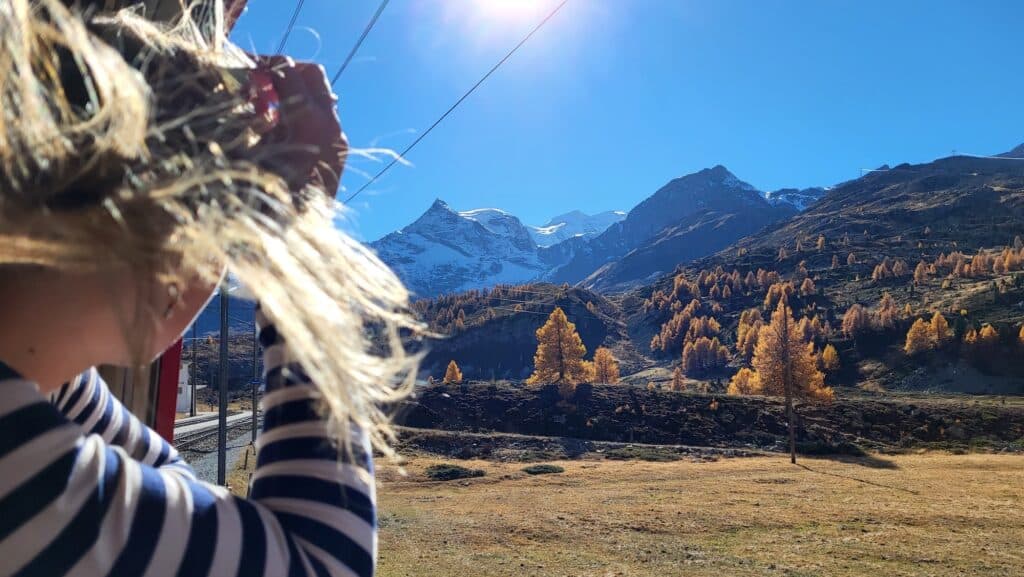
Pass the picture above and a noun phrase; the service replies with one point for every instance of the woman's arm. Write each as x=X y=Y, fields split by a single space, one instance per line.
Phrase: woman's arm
x=71 y=504
x=87 y=400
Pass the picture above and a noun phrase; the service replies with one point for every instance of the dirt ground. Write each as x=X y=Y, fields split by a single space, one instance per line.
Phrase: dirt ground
x=933 y=514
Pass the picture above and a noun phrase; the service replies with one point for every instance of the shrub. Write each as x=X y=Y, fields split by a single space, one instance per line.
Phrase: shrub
x=448 y=472
x=543 y=469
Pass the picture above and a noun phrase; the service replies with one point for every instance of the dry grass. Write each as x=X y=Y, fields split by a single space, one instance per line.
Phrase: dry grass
x=932 y=514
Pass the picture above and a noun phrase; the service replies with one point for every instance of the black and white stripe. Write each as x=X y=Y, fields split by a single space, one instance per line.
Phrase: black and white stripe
x=86 y=489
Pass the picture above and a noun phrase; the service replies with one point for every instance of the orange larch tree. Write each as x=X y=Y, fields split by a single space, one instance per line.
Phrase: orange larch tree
x=453 y=375
x=606 y=368
x=559 y=356
x=786 y=366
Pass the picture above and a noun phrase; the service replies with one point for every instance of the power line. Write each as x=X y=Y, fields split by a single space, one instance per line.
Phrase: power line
x=291 y=24
x=458 y=102
x=359 y=42
x=517 y=312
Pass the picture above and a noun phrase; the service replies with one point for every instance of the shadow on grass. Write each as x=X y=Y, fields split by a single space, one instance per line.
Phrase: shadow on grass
x=864 y=460
x=861 y=461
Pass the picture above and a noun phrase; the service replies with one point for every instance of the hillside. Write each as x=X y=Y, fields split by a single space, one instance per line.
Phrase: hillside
x=490 y=333
x=703 y=212
x=954 y=222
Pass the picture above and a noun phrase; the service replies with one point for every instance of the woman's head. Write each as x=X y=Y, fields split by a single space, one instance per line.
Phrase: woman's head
x=133 y=151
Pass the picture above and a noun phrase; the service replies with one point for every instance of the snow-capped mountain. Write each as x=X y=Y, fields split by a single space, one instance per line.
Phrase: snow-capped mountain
x=691 y=216
x=574 y=224
x=798 y=198
x=447 y=251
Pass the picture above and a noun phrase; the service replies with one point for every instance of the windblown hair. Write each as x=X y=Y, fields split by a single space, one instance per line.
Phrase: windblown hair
x=128 y=143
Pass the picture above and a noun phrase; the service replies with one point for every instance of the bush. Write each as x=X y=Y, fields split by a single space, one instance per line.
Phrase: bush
x=543 y=469
x=641 y=454
x=451 y=472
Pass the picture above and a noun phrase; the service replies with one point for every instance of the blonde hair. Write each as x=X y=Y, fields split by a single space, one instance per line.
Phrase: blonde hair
x=124 y=142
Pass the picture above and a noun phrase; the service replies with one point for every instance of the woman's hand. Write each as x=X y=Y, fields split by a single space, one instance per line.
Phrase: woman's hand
x=300 y=117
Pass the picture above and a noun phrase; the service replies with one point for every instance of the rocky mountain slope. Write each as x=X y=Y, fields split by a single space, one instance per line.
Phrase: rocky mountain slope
x=798 y=198
x=689 y=217
x=891 y=219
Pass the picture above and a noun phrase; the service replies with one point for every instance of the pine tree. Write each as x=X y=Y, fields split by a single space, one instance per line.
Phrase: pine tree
x=744 y=382
x=919 y=338
x=560 y=351
x=988 y=340
x=785 y=366
x=887 y=314
x=808 y=288
x=606 y=368
x=830 y=359
x=856 y=321
x=678 y=380
x=452 y=376
x=940 y=332
x=969 y=347
x=704 y=355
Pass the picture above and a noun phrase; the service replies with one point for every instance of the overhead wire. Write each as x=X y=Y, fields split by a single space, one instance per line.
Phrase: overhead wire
x=359 y=42
x=291 y=24
x=452 y=108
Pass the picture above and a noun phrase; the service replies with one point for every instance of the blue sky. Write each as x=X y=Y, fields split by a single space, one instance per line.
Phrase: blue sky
x=615 y=97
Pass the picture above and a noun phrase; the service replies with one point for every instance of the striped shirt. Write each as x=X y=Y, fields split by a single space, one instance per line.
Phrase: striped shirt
x=86 y=489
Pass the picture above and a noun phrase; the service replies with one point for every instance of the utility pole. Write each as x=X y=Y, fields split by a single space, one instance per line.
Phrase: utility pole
x=222 y=425
x=193 y=372
x=255 y=371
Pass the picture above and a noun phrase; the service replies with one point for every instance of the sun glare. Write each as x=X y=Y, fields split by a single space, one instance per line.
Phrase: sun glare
x=510 y=10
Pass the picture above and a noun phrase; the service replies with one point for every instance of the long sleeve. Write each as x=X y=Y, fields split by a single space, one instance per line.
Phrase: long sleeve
x=87 y=400
x=72 y=504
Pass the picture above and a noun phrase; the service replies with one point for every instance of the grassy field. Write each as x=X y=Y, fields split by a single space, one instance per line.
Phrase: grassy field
x=931 y=514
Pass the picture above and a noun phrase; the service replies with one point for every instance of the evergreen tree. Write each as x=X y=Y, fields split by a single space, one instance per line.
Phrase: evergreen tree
x=988 y=340
x=678 y=380
x=919 y=338
x=560 y=351
x=606 y=368
x=785 y=366
x=808 y=288
x=744 y=382
x=940 y=331
x=921 y=273
x=452 y=376
x=856 y=321
x=887 y=314
x=830 y=359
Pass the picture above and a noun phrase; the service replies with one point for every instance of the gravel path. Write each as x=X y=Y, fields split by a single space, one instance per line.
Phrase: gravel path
x=204 y=459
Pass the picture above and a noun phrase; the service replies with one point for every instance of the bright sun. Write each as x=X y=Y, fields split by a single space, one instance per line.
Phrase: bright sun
x=506 y=10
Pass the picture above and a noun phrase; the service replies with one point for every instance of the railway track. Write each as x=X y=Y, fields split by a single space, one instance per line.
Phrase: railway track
x=198 y=430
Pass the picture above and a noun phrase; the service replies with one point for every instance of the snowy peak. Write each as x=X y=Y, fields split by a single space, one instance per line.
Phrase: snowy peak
x=798 y=198
x=502 y=224
x=447 y=251
x=574 y=224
